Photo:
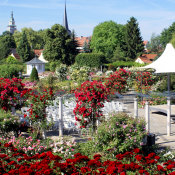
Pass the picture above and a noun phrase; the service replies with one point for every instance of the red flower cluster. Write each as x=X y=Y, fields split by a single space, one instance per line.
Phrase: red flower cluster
x=144 y=81
x=117 y=81
x=90 y=98
x=47 y=163
x=11 y=90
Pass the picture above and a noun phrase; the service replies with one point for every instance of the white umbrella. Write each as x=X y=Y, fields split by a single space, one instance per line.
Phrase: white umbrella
x=165 y=64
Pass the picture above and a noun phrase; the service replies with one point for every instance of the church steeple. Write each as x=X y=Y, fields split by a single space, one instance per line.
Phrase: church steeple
x=11 y=27
x=65 y=21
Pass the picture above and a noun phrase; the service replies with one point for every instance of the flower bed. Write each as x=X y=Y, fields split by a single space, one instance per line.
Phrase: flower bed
x=46 y=163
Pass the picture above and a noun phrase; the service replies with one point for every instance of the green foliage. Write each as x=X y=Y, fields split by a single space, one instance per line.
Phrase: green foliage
x=173 y=40
x=106 y=37
x=34 y=75
x=61 y=72
x=6 y=43
x=53 y=65
x=122 y=64
x=163 y=86
x=90 y=59
x=133 y=39
x=11 y=60
x=10 y=70
x=60 y=45
x=167 y=34
x=119 y=55
x=154 y=46
x=36 y=39
x=24 y=49
x=8 y=123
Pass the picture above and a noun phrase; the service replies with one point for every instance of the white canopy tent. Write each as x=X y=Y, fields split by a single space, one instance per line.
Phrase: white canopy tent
x=165 y=64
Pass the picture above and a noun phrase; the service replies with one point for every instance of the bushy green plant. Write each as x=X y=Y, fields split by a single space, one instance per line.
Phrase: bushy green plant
x=79 y=74
x=11 y=60
x=90 y=59
x=34 y=75
x=53 y=65
x=61 y=72
x=119 y=134
x=122 y=64
x=8 y=123
x=10 y=70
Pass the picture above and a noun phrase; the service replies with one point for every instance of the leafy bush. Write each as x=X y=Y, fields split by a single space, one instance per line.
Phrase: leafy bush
x=90 y=59
x=61 y=72
x=53 y=65
x=8 y=123
x=10 y=70
x=119 y=134
x=34 y=75
x=11 y=60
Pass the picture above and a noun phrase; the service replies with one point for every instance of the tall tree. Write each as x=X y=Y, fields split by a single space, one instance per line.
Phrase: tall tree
x=167 y=34
x=154 y=45
x=7 y=42
x=60 y=45
x=24 y=50
x=106 y=37
x=133 y=39
x=35 y=38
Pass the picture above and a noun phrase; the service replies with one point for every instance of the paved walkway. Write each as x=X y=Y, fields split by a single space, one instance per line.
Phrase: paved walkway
x=158 y=121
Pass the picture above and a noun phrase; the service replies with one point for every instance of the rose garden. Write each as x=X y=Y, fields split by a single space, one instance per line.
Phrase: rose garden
x=113 y=143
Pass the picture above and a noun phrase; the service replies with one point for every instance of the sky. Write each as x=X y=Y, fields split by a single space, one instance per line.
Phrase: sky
x=83 y=15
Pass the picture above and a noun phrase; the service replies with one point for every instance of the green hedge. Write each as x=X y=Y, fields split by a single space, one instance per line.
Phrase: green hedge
x=10 y=70
x=125 y=64
x=90 y=59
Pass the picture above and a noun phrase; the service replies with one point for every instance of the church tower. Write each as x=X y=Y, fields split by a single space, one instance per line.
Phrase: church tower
x=11 y=27
x=65 y=21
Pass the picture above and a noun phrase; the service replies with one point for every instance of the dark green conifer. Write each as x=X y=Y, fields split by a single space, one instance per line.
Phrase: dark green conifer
x=34 y=75
x=134 y=42
x=24 y=50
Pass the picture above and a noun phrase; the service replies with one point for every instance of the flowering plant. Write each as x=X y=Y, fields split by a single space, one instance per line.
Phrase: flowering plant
x=89 y=98
x=144 y=81
x=37 y=108
x=119 y=134
x=28 y=145
x=12 y=93
x=117 y=82
x=130 y=162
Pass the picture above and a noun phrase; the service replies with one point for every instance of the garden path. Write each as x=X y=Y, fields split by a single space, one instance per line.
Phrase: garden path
x=158 y=122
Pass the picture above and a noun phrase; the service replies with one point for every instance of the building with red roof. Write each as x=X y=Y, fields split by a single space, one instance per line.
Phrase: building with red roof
x=146 y=58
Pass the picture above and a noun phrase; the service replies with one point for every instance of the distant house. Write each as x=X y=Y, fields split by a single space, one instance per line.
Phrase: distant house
x=15 y=54
x=38 y=64
x=81 y=41
x=146 y=58
x=39 y=55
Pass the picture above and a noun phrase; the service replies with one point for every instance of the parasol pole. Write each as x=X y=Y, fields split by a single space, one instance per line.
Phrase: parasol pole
x=168 y=83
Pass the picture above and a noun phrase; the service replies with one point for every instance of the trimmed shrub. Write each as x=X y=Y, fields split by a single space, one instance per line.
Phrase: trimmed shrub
x=122 y=64
x=10 y=70
x=90 y=59
x=34 y=75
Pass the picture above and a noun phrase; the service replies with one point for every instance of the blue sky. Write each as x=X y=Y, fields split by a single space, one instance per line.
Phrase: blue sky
x=83 y=15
